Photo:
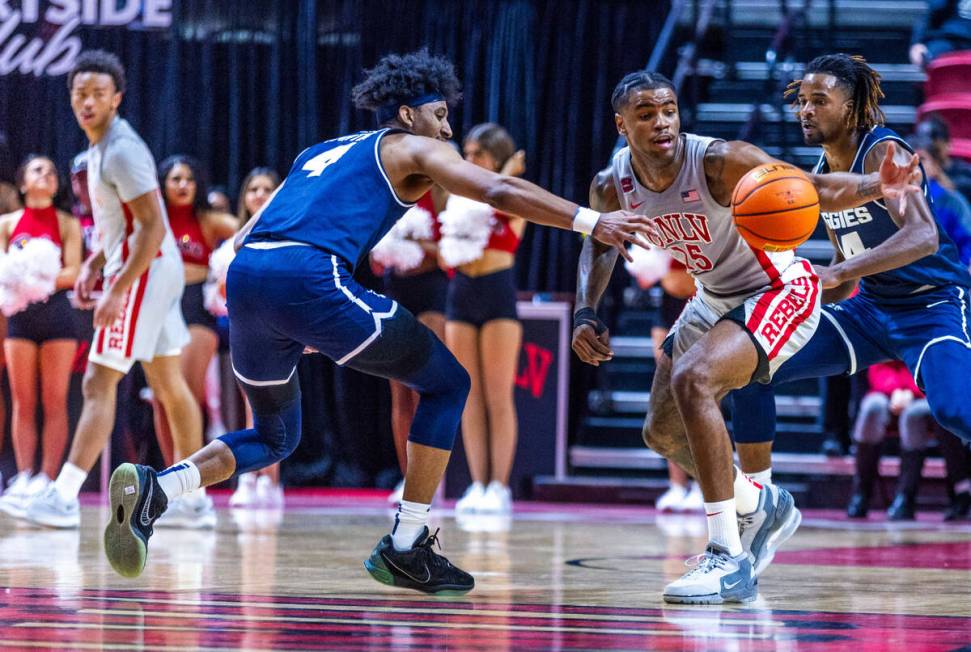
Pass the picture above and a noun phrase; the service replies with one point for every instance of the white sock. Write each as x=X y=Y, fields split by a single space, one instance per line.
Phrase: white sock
x=762 y=477
x=746 y=493
x=69 y=481
x=723 y=526
x=179 y=479
x=408 y=524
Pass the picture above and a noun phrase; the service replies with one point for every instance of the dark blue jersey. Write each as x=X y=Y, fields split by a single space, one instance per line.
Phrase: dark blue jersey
x=865 y=227
x=336 y=197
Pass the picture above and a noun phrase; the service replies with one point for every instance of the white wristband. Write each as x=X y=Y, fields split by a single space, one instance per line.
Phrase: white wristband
x=585 y=220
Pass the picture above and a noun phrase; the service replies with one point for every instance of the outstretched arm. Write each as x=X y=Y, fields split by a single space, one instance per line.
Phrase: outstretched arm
x=916 y=237
x=590 y=337
x=442 y=164
x=892 y=176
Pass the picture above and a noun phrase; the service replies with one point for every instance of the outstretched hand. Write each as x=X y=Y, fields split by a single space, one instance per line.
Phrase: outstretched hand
x=897 y=180
x=618 y=228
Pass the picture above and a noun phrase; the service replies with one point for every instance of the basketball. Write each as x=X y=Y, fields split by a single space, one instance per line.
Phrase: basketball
x=775 y=207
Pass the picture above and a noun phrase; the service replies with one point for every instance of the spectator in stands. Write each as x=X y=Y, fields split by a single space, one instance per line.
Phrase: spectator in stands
x=957 y=459
x=219 y=200
x=951 y=207
x=935 y=135
x=893 y=395
x=945 y=28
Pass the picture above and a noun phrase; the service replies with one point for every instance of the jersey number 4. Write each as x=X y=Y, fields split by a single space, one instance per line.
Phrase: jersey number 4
x=317 y=164
x=851 y=245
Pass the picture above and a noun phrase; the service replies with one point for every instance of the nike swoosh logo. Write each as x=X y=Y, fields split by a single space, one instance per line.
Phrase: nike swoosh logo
x=936 y=303
x=145 y=517
x=729 y=587
x=428 y=573
x=634 y=206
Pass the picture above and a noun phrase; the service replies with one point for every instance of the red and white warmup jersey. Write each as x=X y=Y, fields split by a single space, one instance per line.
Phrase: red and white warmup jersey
x=120 y=169
x=776 y=296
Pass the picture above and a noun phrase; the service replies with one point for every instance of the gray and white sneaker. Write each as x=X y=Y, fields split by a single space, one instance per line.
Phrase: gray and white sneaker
x=769 y=526
x=50 y=509
x=190 y=512
x=718 y=578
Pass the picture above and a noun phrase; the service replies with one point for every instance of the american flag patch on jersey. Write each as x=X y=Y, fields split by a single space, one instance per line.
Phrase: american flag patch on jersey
x=690 y=195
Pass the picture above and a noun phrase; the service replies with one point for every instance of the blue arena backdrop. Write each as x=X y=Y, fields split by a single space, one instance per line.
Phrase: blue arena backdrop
x=240 y=83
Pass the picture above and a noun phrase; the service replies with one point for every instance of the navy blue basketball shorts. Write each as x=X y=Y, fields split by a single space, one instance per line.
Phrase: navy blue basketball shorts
x=282 y=296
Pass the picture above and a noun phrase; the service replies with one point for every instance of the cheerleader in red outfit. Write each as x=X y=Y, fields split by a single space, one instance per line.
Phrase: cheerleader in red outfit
x=42 y=338
x=483 y=332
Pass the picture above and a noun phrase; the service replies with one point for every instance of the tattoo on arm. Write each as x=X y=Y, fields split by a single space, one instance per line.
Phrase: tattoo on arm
x=868 y=189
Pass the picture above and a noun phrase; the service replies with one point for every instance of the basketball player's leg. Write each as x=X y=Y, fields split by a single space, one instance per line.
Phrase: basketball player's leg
x=832 y=350
x=663 y=430
x=945 y=378
x=183 y=415
x=933 y=338
x=58 y=506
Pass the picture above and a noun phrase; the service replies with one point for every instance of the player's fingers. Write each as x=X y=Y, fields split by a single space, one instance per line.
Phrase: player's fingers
x=601 y=349
x=621 y=248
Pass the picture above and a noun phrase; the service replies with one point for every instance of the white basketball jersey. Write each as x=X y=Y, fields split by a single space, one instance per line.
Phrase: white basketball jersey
x=121 y=168
x=695 y=229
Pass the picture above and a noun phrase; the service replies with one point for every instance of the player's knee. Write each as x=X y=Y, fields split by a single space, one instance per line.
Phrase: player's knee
x=276 y=418
x=95 y=385
x=441 y=403
x=690 y=381
x=280 y=432
x=654 y=436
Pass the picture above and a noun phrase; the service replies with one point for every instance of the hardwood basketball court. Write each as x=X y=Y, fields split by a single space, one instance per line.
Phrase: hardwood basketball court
x=555 y=577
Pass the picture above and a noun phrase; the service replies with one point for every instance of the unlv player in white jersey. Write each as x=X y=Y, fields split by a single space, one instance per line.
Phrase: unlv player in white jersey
x=752 y=312
x=138 y=316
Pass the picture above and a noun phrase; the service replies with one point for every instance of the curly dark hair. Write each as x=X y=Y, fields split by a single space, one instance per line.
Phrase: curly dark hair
x=201 y=201
x=400 y=77
x=100 y=61
x=860 y=80
x=635 y=81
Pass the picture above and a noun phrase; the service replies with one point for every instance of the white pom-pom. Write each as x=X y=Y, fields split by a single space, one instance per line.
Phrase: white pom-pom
x=466 y=227
x=649 y=265
x=214 y=291
x=398 y=253
x=415 y=224
x=28 y=274
x=399 y=248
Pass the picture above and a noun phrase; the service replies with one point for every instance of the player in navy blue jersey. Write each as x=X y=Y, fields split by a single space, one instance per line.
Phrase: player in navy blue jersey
x=291 y=287
x=914 y=299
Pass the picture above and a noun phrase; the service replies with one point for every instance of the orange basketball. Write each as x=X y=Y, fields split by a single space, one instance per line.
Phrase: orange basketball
x=775 y=207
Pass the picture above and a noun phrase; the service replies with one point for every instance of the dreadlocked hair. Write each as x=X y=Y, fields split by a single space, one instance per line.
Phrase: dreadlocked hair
x=400 y=77
x=857 y=77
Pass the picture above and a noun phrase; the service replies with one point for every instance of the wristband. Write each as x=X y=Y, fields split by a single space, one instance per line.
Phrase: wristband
x=588 y=316
x=585 y=219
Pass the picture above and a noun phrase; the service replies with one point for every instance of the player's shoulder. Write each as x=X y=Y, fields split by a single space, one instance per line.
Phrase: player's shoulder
x=877 y=141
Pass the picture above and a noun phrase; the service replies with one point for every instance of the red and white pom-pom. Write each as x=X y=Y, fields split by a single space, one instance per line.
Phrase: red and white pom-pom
x=214 y=291
x=399 y=248
x=649 y=265
x=466 y=227
x=28 y=274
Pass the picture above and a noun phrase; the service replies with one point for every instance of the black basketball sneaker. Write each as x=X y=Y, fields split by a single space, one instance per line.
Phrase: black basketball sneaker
x=137 y=500
x=420 y=568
